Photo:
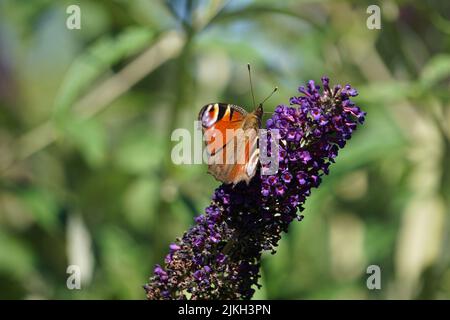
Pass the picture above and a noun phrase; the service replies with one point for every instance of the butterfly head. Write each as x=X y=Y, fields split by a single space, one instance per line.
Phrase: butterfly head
x=259 y=111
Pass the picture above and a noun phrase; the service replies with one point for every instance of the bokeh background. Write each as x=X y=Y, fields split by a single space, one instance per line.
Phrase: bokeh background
x=86 y=117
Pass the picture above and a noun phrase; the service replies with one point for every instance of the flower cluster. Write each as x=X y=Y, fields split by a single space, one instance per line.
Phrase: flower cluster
x=219 y=257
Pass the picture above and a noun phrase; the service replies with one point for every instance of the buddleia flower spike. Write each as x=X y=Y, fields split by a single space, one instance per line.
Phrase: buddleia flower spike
x=219 y=256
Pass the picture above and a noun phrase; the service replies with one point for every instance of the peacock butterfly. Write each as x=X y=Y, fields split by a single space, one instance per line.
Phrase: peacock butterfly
x=232 y=139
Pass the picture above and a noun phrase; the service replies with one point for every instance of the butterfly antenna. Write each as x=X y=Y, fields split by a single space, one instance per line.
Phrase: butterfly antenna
x=274 y=90
x=251 y=85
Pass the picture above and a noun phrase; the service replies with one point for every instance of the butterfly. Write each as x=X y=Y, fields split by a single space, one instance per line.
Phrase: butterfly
x=232 y=140
x=232 y=158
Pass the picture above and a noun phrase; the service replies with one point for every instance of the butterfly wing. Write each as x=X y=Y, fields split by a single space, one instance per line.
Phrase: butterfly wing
x=231 y=148
x=235 y=168
x=216 y=119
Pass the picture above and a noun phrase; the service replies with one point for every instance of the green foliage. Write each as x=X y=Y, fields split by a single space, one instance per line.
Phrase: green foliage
x=97 y=60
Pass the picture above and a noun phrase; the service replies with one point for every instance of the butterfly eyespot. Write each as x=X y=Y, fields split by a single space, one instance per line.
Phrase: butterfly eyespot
x=210 y=116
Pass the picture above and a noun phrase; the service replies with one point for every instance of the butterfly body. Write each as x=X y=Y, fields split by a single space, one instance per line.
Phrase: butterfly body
x=232 y=141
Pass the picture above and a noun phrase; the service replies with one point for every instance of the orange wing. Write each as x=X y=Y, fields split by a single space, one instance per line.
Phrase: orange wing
x=233 y=156
x=236 y=161
x=216 y=119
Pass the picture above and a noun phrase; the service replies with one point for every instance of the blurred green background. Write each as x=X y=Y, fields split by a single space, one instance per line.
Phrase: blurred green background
x=86 y=117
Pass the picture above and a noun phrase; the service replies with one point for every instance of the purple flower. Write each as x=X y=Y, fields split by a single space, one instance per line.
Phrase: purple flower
x=280 y=189
x=304 y=156
x=174 y=247
x=315 y=113
x=265 y=189
x=160 y=273
x=301 y=178
x=219 y=257
x=272 y=180
x=286 y=176
x=291 y=135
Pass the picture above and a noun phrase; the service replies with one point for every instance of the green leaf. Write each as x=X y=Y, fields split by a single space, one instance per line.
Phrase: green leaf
x=139 y=151
x=123 y=261
x=379 y=138
x=98 y=59
x=90 y=137
x=42 y=205
x=393 y=91
x=437 y=69
x=140 y=201
x=16 y=258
